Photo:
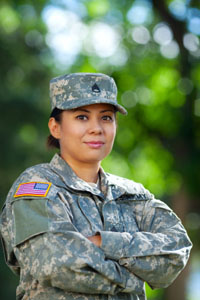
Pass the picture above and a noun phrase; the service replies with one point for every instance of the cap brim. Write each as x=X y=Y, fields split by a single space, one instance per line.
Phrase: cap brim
x=71 y=104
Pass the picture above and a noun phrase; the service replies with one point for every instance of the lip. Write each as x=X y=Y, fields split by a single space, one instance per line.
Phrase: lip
x=95 y=144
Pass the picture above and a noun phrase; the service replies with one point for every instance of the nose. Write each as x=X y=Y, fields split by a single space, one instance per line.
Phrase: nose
x=95 y=127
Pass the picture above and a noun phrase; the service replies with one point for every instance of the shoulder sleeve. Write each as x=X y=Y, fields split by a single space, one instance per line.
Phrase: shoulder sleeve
x=30 y=218
x=36 y=214
x=25 y=213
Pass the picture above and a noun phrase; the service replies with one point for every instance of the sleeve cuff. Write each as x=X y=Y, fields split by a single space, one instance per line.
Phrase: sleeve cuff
x=114 y=243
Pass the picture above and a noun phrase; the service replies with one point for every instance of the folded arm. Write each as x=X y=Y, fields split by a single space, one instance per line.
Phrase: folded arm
x=158 y=252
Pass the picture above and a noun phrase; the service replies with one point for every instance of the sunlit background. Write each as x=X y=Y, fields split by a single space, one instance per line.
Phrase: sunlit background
x=152 y=49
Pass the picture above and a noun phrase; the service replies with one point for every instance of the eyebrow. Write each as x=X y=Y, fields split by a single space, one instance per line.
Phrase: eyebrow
x=107 y=110
x=80 y=109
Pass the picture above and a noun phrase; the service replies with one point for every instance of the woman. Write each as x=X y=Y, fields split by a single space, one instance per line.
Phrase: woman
x=73 y=231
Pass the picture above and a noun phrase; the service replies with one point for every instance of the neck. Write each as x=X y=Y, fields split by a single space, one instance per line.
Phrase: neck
x=86 y=171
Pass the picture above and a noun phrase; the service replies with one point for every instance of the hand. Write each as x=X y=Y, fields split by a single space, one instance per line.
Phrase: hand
x=95 y=239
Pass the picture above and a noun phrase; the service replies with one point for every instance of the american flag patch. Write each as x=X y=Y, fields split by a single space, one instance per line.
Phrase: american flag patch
x=38 y=189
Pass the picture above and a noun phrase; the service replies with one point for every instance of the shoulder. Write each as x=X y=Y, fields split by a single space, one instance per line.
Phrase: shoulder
x=136 y=191
x=34 y=181
x=129 y=187
x=35 y=172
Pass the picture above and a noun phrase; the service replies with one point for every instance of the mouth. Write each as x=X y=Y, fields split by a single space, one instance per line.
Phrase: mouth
x=95 y=144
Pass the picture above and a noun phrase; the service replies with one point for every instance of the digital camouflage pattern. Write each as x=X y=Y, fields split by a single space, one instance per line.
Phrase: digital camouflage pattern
x=80 y=89
x=45 y=238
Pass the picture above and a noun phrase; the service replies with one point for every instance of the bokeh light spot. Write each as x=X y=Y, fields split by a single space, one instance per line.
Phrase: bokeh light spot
x=129 y=99
x=185 y=86
x=178 y=9
x=9 y=19
x=162 y=34
x=191 y=42
x=140 y=12
x=141 y=35
x=170 y=50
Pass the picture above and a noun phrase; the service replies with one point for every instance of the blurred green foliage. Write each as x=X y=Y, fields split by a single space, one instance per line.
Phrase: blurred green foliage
x=158 y=142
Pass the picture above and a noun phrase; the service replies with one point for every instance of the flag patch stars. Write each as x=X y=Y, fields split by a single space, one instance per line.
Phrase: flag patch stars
x=36 y=189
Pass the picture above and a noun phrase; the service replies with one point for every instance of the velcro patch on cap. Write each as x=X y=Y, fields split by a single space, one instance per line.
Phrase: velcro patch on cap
x=36 y=189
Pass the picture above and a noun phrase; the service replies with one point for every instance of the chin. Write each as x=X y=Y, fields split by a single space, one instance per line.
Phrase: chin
x=93 y=159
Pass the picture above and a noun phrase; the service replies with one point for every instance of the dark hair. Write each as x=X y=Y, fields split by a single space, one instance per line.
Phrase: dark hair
x=52 y=142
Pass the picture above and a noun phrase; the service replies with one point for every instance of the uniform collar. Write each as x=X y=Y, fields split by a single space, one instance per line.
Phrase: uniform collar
x=70 y=179
x=109 y=187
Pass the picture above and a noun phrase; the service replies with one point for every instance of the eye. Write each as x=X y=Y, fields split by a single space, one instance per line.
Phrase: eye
x=107 y=118
x=82 y=117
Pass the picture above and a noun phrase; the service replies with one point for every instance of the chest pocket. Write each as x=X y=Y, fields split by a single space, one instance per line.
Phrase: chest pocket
x=89 y=221
x=113 y=219
x=128 y=217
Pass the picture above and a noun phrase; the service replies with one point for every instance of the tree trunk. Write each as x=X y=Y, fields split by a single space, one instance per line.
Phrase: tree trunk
x=177 y=291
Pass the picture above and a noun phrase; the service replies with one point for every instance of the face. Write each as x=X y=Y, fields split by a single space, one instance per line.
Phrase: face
x=86 y=134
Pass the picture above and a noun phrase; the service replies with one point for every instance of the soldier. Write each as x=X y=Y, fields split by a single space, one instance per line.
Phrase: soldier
x=73 y=231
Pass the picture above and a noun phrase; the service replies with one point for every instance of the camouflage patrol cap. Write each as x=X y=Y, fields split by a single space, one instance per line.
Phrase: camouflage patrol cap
x=80 y=89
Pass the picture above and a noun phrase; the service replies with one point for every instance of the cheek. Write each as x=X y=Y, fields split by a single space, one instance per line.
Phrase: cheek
x=111 y=134
x=71 y=134
x=113 y=131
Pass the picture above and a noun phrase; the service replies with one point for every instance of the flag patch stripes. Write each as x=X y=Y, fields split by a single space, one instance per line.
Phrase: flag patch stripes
x=37 y=189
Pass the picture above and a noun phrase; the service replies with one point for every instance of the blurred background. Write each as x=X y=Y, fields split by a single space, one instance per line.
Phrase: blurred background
x=152 y=49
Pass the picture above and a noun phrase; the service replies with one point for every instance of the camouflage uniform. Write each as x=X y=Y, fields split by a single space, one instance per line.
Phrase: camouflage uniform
x=50 y=212
x=45 y=237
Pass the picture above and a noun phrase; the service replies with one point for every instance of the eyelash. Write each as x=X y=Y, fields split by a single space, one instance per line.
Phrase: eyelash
x=81 y=117
x=84 y=118
x=108 y=118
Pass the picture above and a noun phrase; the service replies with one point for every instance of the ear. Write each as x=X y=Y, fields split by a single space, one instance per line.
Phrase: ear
x=54 y=128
